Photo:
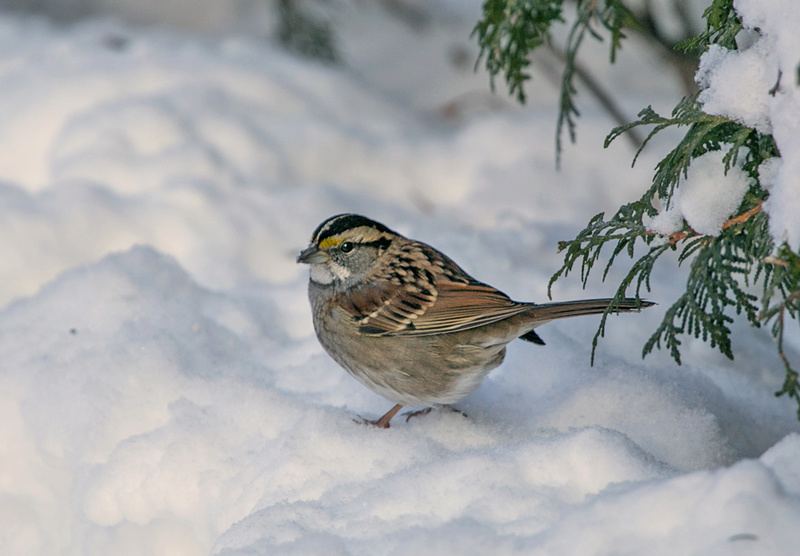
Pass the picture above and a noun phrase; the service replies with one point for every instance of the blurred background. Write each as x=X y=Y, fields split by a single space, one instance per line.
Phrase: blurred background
x=312 y=26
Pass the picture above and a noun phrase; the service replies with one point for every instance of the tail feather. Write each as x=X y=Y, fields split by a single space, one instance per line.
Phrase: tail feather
x=566 y=309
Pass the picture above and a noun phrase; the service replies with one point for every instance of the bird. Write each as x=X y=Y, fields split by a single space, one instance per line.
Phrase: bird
x=408 y=323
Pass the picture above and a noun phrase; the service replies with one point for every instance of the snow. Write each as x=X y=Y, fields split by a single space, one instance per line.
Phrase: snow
x=757 y=86
x=162 y=391
x=706 y=197
x=734 y=83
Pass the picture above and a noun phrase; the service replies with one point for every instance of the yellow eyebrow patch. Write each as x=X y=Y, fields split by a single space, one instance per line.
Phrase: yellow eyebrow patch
x=330 y=242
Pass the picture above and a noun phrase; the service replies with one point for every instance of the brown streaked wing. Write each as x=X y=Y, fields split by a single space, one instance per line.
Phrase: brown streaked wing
x=392 y=310
x=385 y=308
x=463 y=306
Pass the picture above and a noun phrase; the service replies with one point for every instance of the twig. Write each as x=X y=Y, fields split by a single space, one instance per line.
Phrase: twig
x=744 y=216
x=738 y=219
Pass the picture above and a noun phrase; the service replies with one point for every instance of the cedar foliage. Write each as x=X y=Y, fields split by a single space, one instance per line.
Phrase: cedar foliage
x=724 y=271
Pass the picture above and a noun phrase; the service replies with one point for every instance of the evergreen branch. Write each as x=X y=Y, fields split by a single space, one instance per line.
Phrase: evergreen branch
x=720 y=265
x=722 y=26
x=613 y=17
x=786 y=279
x=711 y=287
x=511 y=30
x=640 y=271
x=567 y=109
x=791 y=384
x=601 y=95
x=706 y=133
x=625 y=227
x=508 y=32
x=722 y=268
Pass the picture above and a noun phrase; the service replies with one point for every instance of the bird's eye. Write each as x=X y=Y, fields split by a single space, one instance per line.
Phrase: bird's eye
x=346 y=246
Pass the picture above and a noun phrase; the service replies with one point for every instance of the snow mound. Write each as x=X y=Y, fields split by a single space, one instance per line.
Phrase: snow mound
x=161 y=388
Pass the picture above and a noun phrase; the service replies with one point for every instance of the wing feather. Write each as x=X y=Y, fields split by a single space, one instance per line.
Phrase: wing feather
x=389 y=309
x=463 y=306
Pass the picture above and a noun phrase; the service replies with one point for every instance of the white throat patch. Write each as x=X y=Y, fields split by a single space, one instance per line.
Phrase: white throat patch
x=321 y=275
x=326 y=273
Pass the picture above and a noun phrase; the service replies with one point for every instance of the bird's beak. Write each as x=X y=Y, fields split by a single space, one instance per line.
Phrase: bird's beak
x=312 y=255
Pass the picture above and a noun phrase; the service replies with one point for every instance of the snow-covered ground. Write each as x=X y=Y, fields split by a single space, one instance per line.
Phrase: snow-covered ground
x=161 y=388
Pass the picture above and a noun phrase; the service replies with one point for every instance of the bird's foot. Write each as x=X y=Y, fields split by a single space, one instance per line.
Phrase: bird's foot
x=419 y=413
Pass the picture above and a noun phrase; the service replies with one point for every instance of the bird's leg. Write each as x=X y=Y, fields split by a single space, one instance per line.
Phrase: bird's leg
x=383 y=422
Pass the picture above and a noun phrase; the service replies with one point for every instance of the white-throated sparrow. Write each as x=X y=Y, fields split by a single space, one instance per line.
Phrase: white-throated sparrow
x=407 y=322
